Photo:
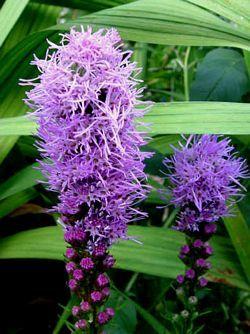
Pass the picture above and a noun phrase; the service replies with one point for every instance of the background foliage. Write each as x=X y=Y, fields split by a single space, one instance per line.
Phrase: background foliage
x=196 y=65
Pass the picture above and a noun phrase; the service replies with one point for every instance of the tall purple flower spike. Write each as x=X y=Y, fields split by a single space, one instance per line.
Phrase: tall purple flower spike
x=205 y=176
x=84 y=100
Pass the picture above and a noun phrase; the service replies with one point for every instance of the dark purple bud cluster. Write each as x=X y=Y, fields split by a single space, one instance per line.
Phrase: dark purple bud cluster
x=195 y=256
x=87 y=279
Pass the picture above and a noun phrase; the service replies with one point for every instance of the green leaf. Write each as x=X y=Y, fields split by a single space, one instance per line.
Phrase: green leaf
x=221 y=76
x=124 y=321
x=9 y=14
x=34 y=17
x=13 y=202
x=240 y=236
x=152 y=321
x=67 y=311
x=92 y=5
x=171 y=118
x=157 y=255
x=22 y=180
x=16 y=126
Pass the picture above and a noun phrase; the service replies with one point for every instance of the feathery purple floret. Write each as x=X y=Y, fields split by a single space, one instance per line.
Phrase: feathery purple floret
x=84 y=100
x=205 y=177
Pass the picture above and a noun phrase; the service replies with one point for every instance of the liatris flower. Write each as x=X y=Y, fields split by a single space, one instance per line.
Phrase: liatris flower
x=85 y=102
x=205 y=176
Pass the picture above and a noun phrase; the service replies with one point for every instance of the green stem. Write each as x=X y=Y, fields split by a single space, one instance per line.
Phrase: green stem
x=185 y=72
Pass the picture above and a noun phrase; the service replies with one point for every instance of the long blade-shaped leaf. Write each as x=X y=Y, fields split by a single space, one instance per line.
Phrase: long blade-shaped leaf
x=9 y=14
x=156 y=256
x=170 y=118
x=240 y=236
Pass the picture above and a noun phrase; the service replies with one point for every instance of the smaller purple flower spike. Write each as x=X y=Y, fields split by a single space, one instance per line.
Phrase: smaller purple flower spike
x=205 y=175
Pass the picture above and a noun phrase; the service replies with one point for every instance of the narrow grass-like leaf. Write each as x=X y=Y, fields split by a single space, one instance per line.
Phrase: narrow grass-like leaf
x=157 y=255
x=240 y=236
x=22 y=180
x=65 y=314
x=34 y=17
x=171 y=118
x=9 y=14
x=13 y=202
x=151 y=320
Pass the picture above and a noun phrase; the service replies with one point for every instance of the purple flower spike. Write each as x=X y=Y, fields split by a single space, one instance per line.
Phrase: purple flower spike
x=190 y=273
x=205 y=177
x=86 y=103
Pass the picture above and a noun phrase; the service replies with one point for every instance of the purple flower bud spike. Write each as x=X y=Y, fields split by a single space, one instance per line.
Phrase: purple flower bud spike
x=85 y=102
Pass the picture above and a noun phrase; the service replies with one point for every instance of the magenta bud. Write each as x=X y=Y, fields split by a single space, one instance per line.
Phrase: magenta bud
x=180 y=279
x=102 y=280
x=203 y=281
x=106 y=292
x=110 y=312
x=78 y=274
x=197 y=243
x=87 y=263
x=210 y=228
x=71 y=253
x=102 y=318
x=190 y=273
x=81 y=324
x=185 y=249
x=96 y=296
x=109 y=262
x=70 y=267
x=72 y=284
x=99 y=250
x=85 y=306
x=201 y=263
x=76 y=310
